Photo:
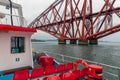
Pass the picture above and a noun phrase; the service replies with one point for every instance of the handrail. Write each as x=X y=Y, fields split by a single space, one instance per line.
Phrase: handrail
x=111 y=74
x=17 y=16
x=13 y=15
x=102 y=64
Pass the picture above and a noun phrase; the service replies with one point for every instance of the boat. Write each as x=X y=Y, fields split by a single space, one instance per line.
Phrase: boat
x=19 y=62
x=47 y=68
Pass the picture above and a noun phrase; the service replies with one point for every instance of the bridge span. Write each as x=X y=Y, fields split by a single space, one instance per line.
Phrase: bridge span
x=82 y=20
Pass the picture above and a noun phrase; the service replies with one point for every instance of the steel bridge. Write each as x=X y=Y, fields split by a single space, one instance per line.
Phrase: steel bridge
x=80 y=19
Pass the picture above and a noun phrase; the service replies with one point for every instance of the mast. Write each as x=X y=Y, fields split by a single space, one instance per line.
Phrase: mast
x=11 y=12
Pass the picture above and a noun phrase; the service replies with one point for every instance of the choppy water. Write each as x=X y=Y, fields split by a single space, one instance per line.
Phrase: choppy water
x=104 y=52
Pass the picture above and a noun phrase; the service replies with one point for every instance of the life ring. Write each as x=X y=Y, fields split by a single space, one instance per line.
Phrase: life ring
x=79 y=61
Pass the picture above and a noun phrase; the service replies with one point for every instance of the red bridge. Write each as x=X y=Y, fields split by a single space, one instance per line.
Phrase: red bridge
x=80 y=19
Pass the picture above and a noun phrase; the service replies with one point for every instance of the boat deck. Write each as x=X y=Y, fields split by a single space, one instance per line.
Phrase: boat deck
x=44 y=69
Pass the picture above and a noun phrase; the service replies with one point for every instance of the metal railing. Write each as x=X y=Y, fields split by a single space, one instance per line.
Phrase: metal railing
x=16 y=20
x=64 y=58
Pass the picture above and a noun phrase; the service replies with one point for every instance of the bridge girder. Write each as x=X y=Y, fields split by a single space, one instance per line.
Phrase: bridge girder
x=79 y=19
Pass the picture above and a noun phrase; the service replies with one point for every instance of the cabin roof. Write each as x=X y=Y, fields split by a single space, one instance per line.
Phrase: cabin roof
x=16 y=28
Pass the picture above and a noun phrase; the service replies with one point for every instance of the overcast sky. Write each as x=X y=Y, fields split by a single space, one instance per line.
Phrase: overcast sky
x=32 y=8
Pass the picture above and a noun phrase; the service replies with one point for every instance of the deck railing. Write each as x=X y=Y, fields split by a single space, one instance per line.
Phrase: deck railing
x=17 y=20
x=109 y=71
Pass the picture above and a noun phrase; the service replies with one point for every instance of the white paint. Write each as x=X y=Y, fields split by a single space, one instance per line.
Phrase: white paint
x=15 y=6
x=8 y=60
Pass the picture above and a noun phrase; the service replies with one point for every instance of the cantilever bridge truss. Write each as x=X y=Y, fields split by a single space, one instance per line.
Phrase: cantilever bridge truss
x=80 y=19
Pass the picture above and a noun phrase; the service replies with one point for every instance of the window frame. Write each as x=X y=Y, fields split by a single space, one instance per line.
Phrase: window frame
x=16 y=47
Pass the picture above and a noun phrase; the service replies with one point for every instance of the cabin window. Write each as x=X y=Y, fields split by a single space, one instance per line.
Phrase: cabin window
x=17 y=45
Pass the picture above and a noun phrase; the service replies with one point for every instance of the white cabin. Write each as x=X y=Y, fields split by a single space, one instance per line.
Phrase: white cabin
x=15 y=47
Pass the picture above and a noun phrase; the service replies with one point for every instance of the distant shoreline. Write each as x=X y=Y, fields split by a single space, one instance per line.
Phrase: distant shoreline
x=35 y=40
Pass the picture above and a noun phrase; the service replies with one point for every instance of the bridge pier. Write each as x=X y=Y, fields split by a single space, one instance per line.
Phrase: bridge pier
x=82 y=42
x=93 y=42
x=73 y=41
x=61 y=41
